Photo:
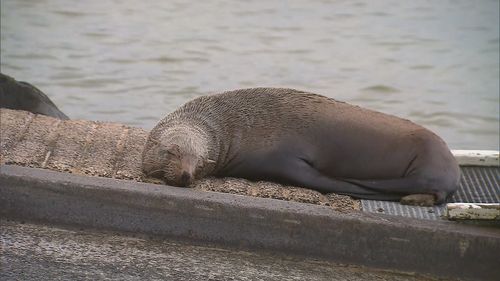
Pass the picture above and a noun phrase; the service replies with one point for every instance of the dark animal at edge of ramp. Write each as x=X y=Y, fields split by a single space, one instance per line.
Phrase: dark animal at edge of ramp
x=24 y=96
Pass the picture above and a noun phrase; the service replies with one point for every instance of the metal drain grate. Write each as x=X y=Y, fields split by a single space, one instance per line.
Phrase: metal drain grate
x=478 y=184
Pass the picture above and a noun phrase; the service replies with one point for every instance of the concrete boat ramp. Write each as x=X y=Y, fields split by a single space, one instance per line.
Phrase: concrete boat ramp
x=81 y=209
x=39 y=252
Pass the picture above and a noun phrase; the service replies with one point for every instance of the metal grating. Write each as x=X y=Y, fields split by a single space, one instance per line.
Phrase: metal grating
x=478 y=184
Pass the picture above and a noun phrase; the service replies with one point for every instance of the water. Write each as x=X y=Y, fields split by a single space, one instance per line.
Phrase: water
x=433 y=62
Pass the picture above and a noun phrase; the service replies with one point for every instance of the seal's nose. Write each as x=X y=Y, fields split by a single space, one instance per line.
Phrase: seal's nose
x=186 y=178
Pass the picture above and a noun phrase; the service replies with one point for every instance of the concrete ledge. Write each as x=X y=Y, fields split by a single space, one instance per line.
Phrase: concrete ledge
x=442 y=249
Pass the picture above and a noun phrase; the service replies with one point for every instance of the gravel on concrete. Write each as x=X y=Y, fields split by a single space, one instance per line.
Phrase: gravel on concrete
x=114 y=150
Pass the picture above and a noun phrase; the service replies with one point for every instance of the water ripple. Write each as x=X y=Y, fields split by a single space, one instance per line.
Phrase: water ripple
x=91 y=83
x=69 y=14
x=174 y=60
x=33 y=56
x=383 y=89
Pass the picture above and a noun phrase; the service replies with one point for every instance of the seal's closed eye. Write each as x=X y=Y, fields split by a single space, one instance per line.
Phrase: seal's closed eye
x=172 y=151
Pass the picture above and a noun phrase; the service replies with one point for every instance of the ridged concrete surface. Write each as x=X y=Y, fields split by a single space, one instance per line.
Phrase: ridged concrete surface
x=76 y=146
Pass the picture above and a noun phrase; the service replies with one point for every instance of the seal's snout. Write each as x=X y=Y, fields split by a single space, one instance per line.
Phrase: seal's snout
x=186 y=178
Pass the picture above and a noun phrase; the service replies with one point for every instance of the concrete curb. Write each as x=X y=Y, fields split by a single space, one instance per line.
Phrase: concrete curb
x=438 y=248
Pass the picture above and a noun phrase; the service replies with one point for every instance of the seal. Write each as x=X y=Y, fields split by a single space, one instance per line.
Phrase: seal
x=303 y=139
x=20 y=95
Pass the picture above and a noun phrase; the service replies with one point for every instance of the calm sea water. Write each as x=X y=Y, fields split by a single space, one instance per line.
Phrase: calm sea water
x=433 y=62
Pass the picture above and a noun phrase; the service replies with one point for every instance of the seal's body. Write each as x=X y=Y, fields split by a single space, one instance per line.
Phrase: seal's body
x=302 y=139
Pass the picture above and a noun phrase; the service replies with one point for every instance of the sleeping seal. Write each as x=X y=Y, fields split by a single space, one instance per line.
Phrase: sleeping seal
x=302 y=139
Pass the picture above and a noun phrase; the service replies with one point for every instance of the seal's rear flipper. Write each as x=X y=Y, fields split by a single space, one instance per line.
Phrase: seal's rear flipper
x=425 y=200
x=409 y=186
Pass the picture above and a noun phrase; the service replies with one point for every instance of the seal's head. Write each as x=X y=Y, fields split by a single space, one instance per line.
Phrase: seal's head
x=178 y=155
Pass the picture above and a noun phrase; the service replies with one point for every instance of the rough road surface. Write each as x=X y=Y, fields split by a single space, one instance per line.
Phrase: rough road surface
x=31 y=252
x=114 y=150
